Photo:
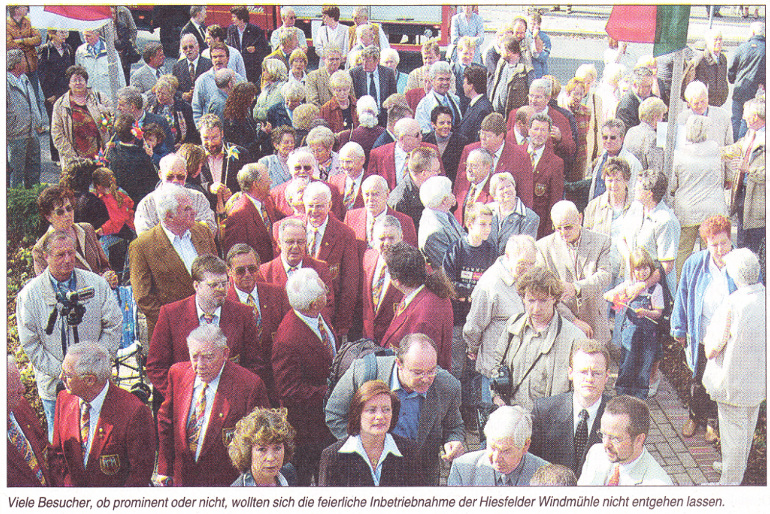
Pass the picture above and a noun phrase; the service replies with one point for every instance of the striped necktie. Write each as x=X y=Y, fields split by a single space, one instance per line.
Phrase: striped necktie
x=349 y=198
x=20 y=441
x=533 y=158
x=265 y=217
x=195 y=423
x=378 y=285
x=325 y=339
x=615 y=477
x=85 y=425
x=311 y=245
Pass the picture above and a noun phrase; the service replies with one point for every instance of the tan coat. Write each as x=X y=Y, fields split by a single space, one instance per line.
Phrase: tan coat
x=31 y=39
x=89 y=253
x=61 y=123
x=754 y=203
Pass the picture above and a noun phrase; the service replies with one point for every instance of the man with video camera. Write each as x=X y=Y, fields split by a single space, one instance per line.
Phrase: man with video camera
x=60 y=307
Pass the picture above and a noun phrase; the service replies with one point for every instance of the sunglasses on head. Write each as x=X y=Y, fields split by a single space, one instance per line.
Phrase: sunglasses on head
x=61 y=210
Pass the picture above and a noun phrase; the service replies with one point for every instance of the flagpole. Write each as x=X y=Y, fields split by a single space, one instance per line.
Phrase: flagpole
x=673 y=111
x=112 y=63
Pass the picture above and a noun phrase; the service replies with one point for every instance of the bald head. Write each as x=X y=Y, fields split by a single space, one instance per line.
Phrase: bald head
x=566 y=220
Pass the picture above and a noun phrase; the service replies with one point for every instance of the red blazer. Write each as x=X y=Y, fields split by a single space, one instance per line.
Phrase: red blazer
x=300 y=367
x=549 y=188
x=567 y=146
x=337 y=183
x=169 y=339
x=331 y=112
x=19 y=472
x=382 y=161
x=284 y=210
x=426 y=314
x=244 y=224
x=484 y=197
x=377 y=323
x=122 y=449
x=273 y=273
x=238 y=393
x=513 y=160
x=341 y=251
x=273 y=306
x=413 y=97
x=356 y=220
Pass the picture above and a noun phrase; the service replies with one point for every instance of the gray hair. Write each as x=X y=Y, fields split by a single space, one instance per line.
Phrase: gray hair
x=617 y=124
x=405 y=125
x=378 y=179
x=517 y=244
x=439 y=67
x=332 y=49
x=510 y=422
x=171 y=161
x=494 y=181
x=639 y=73
x=167 y=198
x=292 y=90
x=304 y=287
x=186 y=37
x=434 y=190
x=91 y=359
x=290 y=222
x=696 y=128
x=322 y=135
x=223 y=77
x=276 y=69
x=743 y=267
x=612 y=73
x=361 y=10
x=562 y=209
x=317 y=188
x=486 y=156
x=340 y=78
x=543 y=85
x=249 y=174
x=695 y=89
x=364 y=27
x=367 y=110
x=354 y=149
x=387 y=53
x=301 y=152
x=651 y=108
x=208 y=333
x=286 y=9
x=756 y=106
x=13 y=57
x=586 y=69
x=286 y=34
x=132 y=95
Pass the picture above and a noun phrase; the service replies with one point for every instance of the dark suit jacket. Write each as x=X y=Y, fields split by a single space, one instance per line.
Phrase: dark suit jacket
x=350 y=469
x=340 y=251
x=244 y=224
x=451 y=157
x=182 y=114
x=300 y=368
x=277 y=115
x=239 y=391
x=356 y=219
x=169 y=340
x=377 y=323
x=472 y=118
x=160 y=120
x=273 y=273
x=383 y=139
x=548 y=188
x=158 y=275
x=239 y=157
x=513 y=160
x=181 y=71
x=458 y=72
x=19 y=472
x=553 y=430
x=426 y=314
x=382 y=161
x=121 y=452
x=385 y=88
x=627 y=110
x=189 y=28
x=252 y=36
x=273 y=306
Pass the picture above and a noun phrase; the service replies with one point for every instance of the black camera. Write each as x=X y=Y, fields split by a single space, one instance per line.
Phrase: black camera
x=500 y=382
x=73 y=309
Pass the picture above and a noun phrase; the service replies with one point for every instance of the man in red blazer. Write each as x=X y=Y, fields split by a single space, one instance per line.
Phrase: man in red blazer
x=207 y=396
x=506 y=156
x=208 y=305
x=292 y=241
x=329 y=240
x=390 y=161
x=548 y=171
x=379 y=296
x=477 y=171
x=28 y=447
x=268 y=301
x=303 y=350
x=253 y=215
x=347 y=185
x=374 y=190
x=561 y=133
x=301 y=163
x=107 y=424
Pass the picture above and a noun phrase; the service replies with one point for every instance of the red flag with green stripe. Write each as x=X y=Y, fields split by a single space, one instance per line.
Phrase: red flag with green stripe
x=663 y=25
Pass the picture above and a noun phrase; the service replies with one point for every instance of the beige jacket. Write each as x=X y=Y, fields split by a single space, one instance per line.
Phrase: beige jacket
x=61 y=123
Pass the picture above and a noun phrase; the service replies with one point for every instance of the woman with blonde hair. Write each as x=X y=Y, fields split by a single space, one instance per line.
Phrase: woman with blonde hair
x=262 y=444
x=298 y=66
x=175 y=110
x=340 y=112
x=274 y=76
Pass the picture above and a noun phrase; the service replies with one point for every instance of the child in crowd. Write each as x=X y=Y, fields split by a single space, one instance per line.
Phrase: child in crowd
x=153 y=142
x=639 y=330
x=120 y=207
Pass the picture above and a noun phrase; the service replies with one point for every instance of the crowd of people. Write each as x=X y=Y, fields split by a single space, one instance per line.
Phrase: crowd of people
x=502 y=240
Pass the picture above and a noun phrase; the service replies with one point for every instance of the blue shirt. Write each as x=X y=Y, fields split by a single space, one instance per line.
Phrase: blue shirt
x=411 y=404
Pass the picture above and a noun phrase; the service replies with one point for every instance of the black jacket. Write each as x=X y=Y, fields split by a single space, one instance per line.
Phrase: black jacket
x=252 y=36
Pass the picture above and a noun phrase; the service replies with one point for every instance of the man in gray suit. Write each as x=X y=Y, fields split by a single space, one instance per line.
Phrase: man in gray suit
x=145 y=77
x=430 y=401
x=581 y=260
x=505 y=461
x=566 y=425
x=439 y=229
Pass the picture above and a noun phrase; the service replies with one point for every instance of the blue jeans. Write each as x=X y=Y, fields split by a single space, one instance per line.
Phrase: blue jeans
x=635 y=366
x=24 y=161
x=49 y=406
x=739 y=126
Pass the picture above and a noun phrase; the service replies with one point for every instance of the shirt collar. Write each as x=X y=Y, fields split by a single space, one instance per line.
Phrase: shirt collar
x=395 y=383
x=214 y=384
x=355 y=445
x=171 y=236
x=98 y=402
x=217 y=312
x=243 y=296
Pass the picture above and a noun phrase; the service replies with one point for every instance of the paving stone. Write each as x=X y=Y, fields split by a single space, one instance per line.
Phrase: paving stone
x=687 y=460
x=697 y=476
x=682 y=479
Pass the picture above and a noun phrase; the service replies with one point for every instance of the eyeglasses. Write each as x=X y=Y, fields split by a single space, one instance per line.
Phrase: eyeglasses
x=306 y=167
x=61 y=210
x=241 y=270
x=171 y=176
x=217 y=285
x=424 y=374
x=188 y=47
x=612 y=438
x=611 y=138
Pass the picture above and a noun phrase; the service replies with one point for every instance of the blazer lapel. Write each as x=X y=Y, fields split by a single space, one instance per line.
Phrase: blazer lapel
x=188 y=381
x=104 y=426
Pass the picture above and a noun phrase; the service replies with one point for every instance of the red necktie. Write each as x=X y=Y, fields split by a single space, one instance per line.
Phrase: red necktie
x=615 y=478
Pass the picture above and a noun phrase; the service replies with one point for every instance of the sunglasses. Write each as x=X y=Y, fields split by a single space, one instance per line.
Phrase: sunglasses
x=241 y=270
x=61 y=210
x=611 y=138
x=306 y=167
x=171 y=176
x=188 y=47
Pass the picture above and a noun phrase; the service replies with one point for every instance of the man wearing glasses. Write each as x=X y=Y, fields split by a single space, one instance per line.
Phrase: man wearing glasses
x=621 y=458
x=188 y=70
x=208 y=306
x=288 y=19
x=613 y=134
x=430 y=401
